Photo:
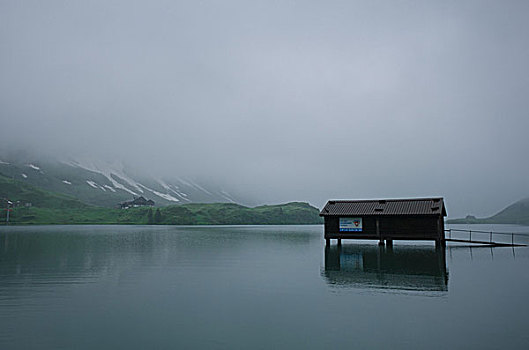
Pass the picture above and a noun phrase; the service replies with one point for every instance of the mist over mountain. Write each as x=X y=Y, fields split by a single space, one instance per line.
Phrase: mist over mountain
x=275 y=102
x=104 y=183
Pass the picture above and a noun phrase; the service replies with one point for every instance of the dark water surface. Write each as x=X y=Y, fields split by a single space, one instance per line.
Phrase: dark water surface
x=241 y=287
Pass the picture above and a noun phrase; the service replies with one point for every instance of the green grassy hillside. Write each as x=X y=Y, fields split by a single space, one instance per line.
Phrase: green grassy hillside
x=51 y=179
x=234 y=214
x=190 y=214
x=15 y=190
x=53 y=208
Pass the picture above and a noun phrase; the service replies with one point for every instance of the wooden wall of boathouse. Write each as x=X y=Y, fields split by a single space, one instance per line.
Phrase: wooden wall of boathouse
x=385 y=219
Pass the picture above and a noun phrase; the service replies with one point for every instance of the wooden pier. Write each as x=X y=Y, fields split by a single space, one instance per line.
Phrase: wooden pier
x=490 y=242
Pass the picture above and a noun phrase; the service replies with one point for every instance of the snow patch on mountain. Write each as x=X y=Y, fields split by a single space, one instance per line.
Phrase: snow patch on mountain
x=110 y=188
x=33 y=166
x=24 y=176
x=92 y=183
x=184 y=182
x=173 y=189
x=95 y=185
x=168 y=191
x=66 y=182
x=2 y=162
x=108 y=172
x=201 y=188
x=227 y=196
x=120 y=186
x=194 y=185
x=165 y=196
x=164 y=185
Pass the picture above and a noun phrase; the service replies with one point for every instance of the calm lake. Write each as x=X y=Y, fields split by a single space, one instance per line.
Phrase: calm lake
x=245 y=287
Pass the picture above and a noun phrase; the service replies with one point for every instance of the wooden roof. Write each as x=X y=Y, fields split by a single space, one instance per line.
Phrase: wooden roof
x=413 y=206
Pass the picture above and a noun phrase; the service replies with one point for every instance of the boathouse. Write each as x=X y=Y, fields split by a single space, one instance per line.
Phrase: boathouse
x=385 y=219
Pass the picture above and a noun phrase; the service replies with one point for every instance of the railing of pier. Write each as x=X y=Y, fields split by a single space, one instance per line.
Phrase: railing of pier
x=489 y=233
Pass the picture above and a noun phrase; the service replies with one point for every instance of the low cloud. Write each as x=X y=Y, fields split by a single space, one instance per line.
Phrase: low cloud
x=293 y=101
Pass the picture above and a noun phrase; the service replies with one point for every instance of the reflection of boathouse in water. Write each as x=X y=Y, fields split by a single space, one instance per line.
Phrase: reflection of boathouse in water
x=368 y=266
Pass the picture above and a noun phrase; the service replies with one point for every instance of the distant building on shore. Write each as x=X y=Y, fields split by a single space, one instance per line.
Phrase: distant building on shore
x=136 y=202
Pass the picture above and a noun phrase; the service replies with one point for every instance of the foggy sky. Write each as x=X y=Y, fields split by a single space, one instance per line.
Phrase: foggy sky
x=280 y=100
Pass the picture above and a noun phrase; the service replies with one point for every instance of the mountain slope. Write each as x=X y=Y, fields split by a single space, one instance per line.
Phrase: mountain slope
x=517 y=213
x=107 y=184
x=18 y=191
x=49 y=207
